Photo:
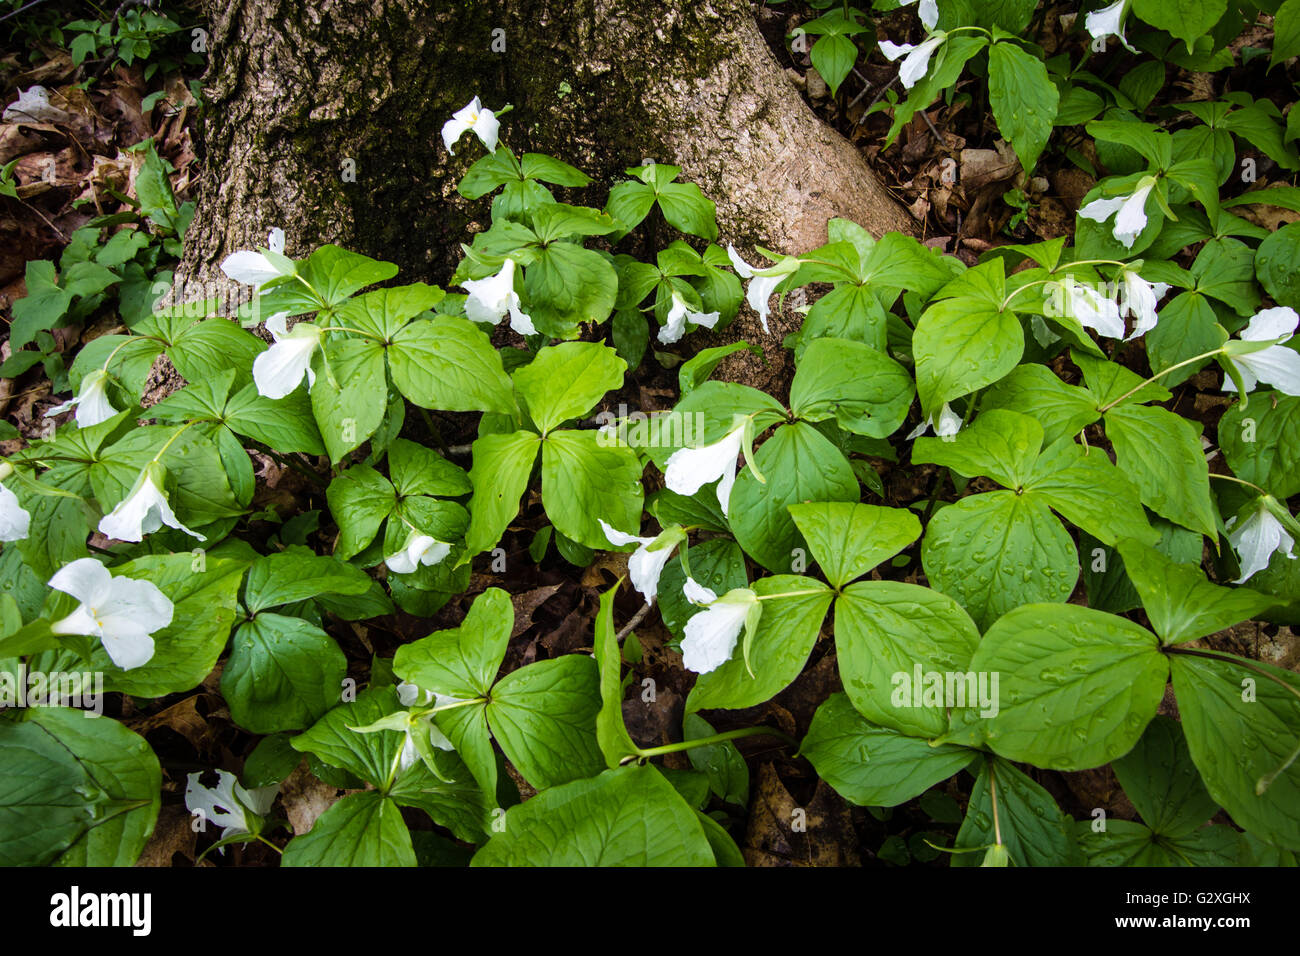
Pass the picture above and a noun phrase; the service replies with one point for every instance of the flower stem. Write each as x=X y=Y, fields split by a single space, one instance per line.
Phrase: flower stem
x=715 y=739
x=1147 y=381
x=1239 y=481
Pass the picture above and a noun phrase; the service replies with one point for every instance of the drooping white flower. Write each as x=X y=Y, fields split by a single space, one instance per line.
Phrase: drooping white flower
x=1255 y=540
x=928 y=12
x=763 y=282
x=1109 y=22
x=256 y=268
x=122 y=612
x=1138 y=298
x=491 y=298
x=949 y=424
x=645 y=563
x=472 y=117
x=228 y=804
x=711 y=634
x=409 y=695
x=144 y=510
x=91 y=403
x=279 y=369
x=1129 y=212
x=1275 y=364
x=689 y=469
x=917 y=62
x=675 y=323
x=15 y=521
x=419 y=549
x=1091 y=309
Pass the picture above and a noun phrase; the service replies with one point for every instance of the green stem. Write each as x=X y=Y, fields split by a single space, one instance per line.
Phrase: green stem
x=1148 y=381
x=786 y=594
x=715 y=739
x=1239 y=481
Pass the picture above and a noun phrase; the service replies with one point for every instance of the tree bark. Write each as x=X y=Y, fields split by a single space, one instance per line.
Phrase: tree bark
x=302 y=92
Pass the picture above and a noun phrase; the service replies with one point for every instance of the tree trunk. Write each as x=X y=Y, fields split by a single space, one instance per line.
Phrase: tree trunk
x=302 y=94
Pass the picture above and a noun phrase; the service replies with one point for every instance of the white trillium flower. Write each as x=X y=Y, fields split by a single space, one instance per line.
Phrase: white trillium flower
x=917 y=62
x=644 y=565
x=675 y=324
x=472 y=117
x=763 y=282
x=1092 y=309
x=228 y=804
x=121 y=612
x=949 y=424
x=419 y=549
x=690 y=469
x=1138 y=298
x=1129 y=212
x=279 y=369
x=1108 y=22
x=1255 y=540
x=491 y=298
x=1275 y=365
x=255 y=268
x=711 y=634
x=91 y=403
x=409 y=695
x=15 y=521
x=144 y=510
x=928 y=12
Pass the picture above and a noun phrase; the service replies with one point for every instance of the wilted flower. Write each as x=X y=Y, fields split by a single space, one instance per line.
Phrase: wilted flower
x=144 y=510
x=675 y=323
x=92 y=402
x=472 y=117
x=410 y=695
x=1129 y=212
x=491 y=298
x=647 y=562
x=121 y=612
x=228 y=804
x=279 y=369
x=419 y=549
x=689 y=469
x=711 y=634
x=1274 y=364
x=1256 y=538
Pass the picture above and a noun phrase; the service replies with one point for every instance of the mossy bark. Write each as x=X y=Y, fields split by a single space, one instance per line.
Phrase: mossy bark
x=324 y=117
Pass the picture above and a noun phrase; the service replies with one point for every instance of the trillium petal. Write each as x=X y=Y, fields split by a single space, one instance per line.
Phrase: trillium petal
x=1275 y=323
x=135 y=601
x=486 y=128
x=520 y=321
x=1099 y=210
x=760 y=293
x=689 y=469
x=697 y=593
x=1132 y=217
x=275 y=240
x=281 y=368
x=928 y=11
x=644 y=568
x=15 y=521
x=743 y=268
x=893 y=51
x=620 y=538
x=674 y=323
x=452 y=130
x=93 y=405
x=85 y=579
x=711 y=635
x=917 y=62
x=949 y=422
x=250 y=268
x=128 y=645
x=1276 y=365
x=1255 y=540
